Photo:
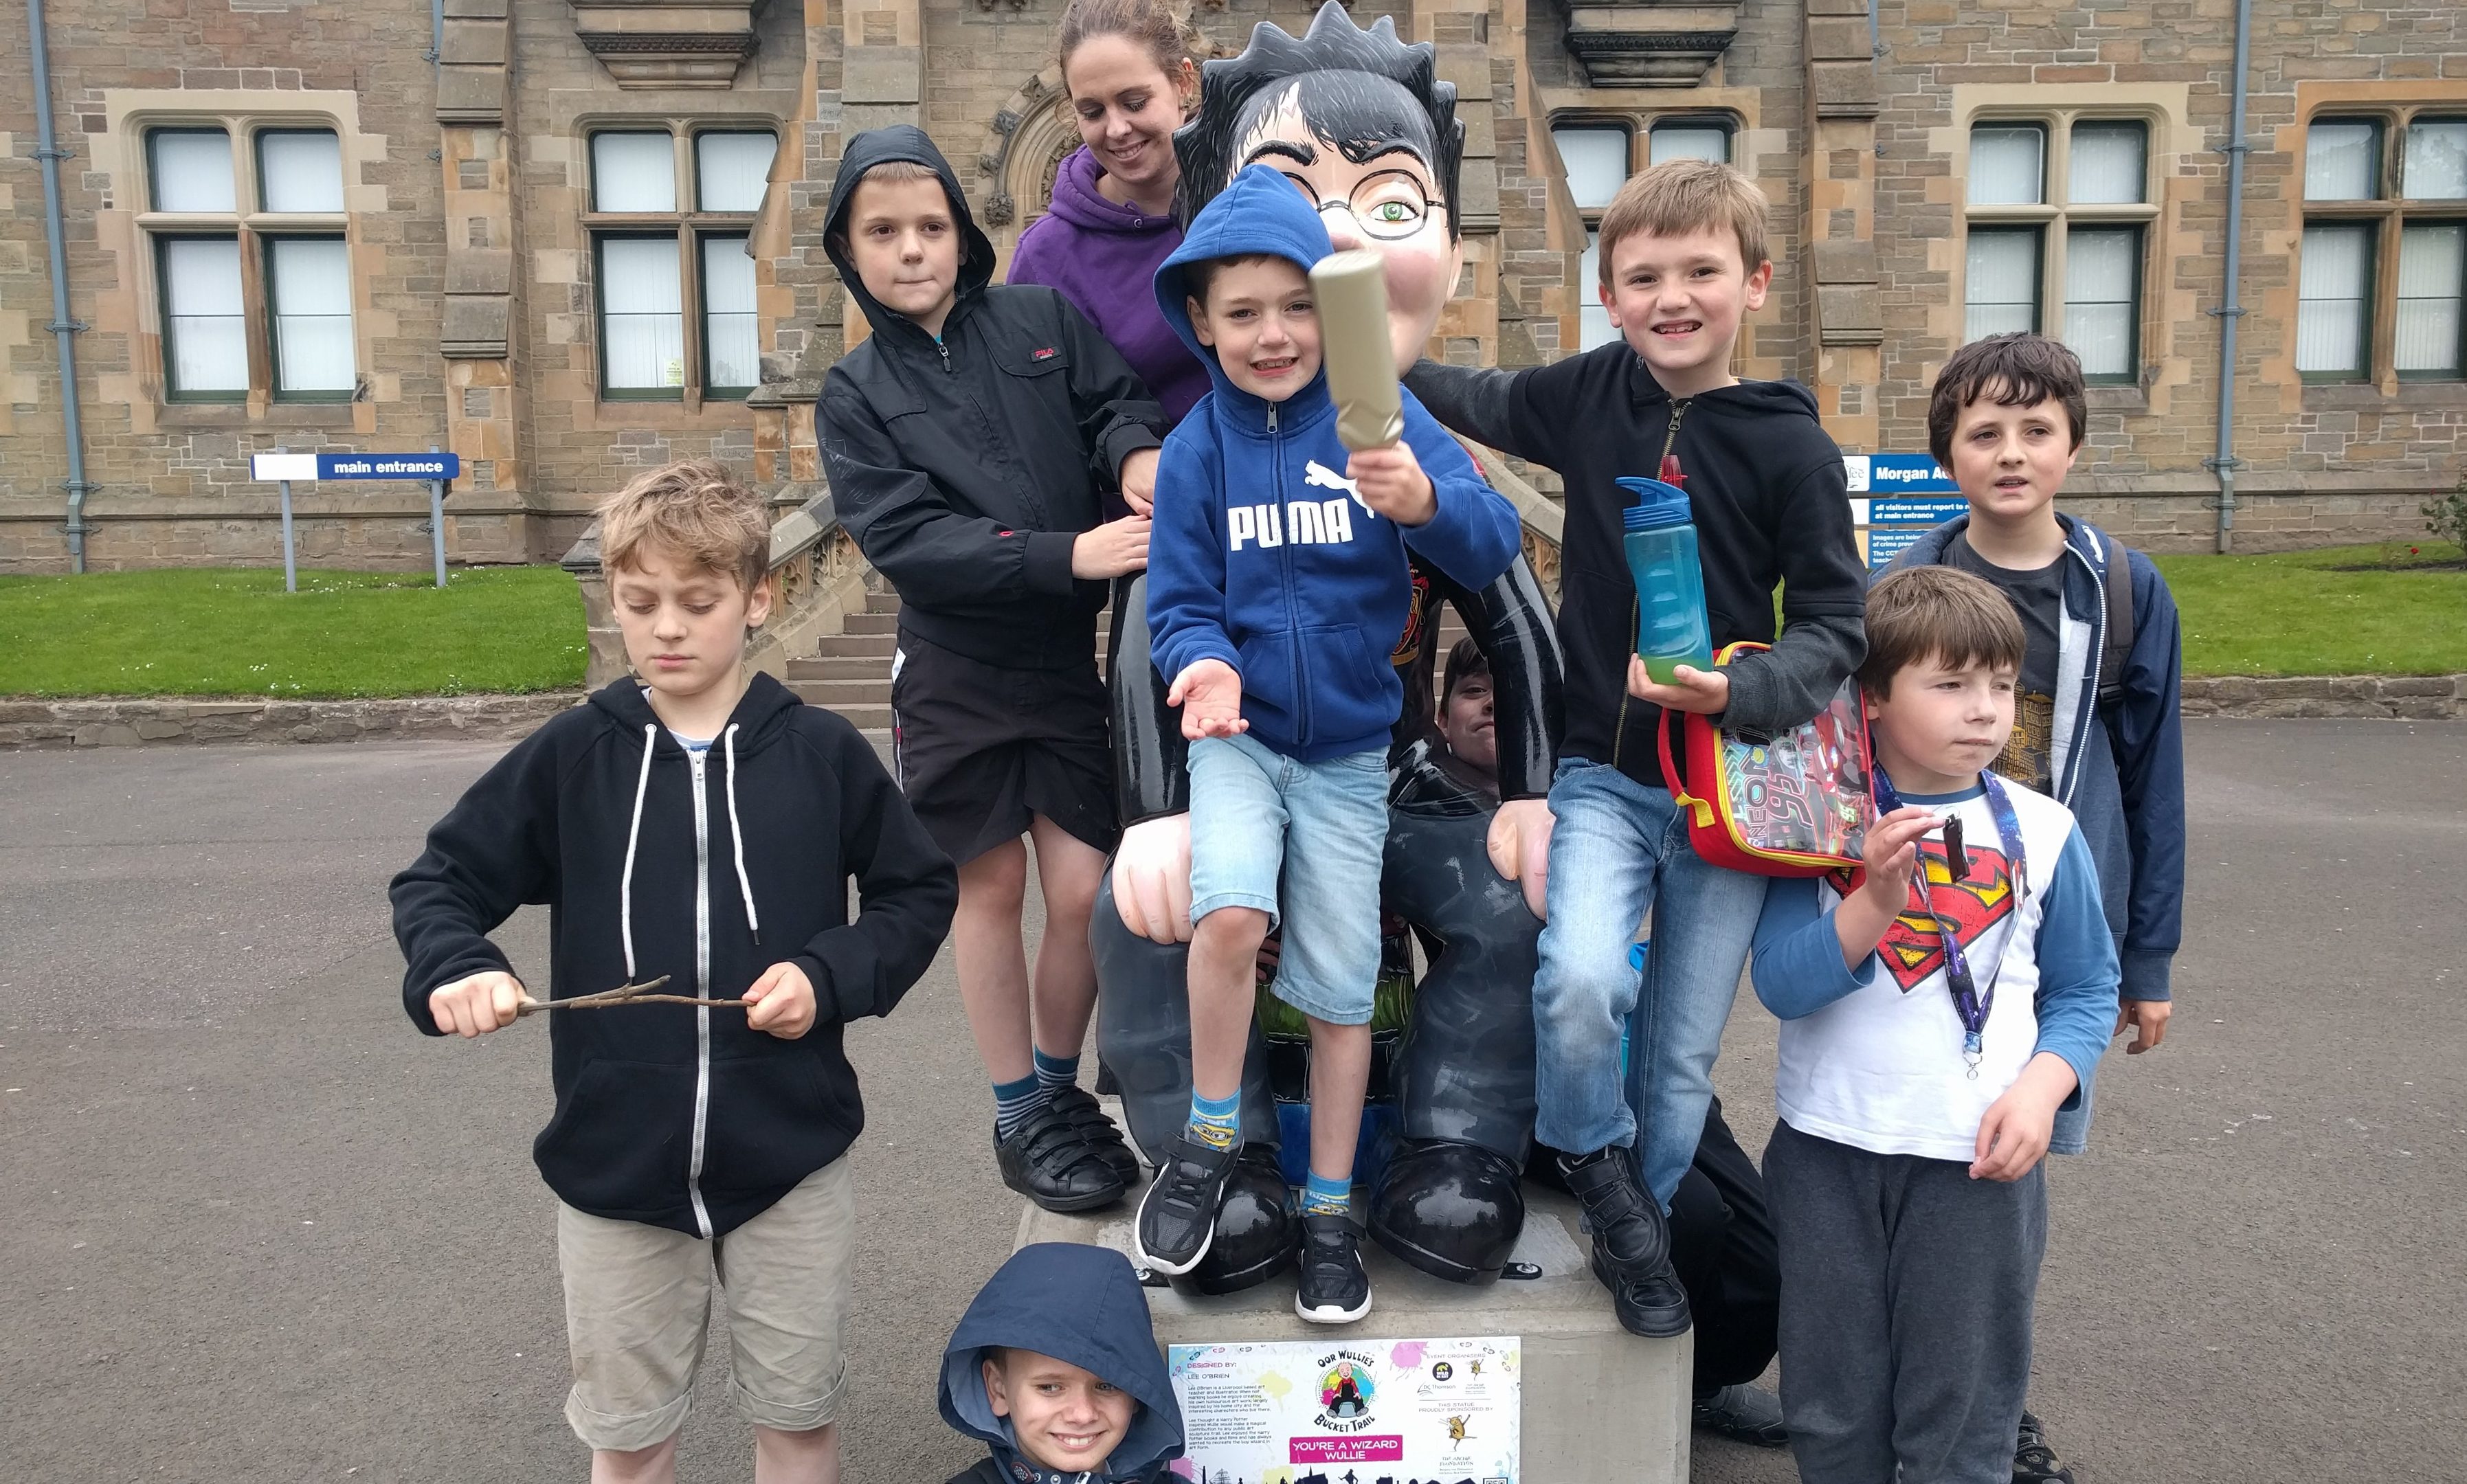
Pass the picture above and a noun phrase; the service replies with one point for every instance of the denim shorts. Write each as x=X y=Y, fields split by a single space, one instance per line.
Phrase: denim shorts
x=1256 y=815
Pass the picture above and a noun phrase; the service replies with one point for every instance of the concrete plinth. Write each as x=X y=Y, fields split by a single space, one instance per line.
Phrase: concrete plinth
x=1600 y=1405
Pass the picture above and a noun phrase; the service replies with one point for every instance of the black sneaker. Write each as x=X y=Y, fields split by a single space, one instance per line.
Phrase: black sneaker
x=1631 y=1236
x=1653 y=1306
x=1334 y=1289
x=1178 y=1214
x=1047 y=1159
x=1089 y=1118
x=1743 y=1414
x=2034 y=1462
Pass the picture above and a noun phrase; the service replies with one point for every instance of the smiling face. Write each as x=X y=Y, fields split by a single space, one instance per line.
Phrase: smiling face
x=684 y=624
x=1067 y=1419
x=1387 y=200
x=2009 y=461
x=1677 y=302
x=1127 y=108
x=1259 y=320
x=1470 y=723
x=906 y=247
x=1937 y=725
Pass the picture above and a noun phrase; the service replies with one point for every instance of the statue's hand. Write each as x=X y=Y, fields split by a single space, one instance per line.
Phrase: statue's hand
x=1520 y=848
x=1152 y=879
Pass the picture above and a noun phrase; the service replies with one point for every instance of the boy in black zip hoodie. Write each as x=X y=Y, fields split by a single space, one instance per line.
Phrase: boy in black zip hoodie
x=968 y=443
x=689 y=826
x=1683 y=261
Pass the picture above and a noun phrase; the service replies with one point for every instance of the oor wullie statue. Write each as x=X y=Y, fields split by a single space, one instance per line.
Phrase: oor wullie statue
x=1362 y=124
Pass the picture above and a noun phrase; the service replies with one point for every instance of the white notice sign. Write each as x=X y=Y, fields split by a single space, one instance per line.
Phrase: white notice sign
x=1367 y=1411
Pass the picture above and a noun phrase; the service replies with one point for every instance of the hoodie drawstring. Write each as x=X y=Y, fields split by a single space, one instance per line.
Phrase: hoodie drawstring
x=634 y=833
x=737 y=835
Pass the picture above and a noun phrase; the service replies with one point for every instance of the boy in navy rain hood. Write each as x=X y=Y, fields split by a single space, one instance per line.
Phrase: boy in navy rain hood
x=1277 y=583
x=1055 y=1358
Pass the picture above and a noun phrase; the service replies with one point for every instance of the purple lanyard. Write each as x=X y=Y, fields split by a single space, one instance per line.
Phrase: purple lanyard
x=1970 y=1002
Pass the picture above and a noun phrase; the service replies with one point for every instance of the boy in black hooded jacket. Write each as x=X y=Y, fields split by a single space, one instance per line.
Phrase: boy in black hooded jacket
x=968 y=442
x=690 y=827
x=1055 y=1368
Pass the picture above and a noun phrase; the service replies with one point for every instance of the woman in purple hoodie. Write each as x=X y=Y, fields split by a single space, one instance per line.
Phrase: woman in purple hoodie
x=1126 y=65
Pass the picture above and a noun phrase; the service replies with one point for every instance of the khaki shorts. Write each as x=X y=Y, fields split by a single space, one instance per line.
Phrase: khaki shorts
x=638 y=1303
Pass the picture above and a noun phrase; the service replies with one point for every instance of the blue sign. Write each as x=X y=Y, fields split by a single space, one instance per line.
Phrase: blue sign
x=389 y=467
x=1884 y=545
x=1915 y=512
x=1908 y=474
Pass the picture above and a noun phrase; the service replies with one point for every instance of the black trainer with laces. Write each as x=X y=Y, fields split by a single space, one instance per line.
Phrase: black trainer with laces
x=1047 y=1160
x=1334 y=1289
x=1100 y=1130
x=1178 y=1214
x=2034 y=1461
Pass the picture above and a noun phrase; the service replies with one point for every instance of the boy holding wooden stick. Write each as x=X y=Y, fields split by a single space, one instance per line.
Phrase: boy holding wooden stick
x=691 y=826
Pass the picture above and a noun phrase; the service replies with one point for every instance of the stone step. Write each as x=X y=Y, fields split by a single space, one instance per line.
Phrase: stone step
x=841 y=694
x=877 y=646
x=865 y=718
x=872 y=622
x=841 y=668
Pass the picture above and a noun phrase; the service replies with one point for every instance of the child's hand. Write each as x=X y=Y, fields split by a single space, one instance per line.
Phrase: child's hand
x=781 y=1002
x=1210 y=693
x=477 y=1005
x=1111 y=550
x=2148 y=1021
x=1705 y=693
x=1392 y=484
x=2013 y=1136
x=1890 y=853
x=1137 y=479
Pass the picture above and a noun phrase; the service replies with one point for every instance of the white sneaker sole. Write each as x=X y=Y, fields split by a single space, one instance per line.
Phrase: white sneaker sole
x=1139 y=1249
x=1330 y=1315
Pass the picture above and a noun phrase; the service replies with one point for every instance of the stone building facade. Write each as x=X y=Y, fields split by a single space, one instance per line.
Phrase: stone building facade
x=539 y=233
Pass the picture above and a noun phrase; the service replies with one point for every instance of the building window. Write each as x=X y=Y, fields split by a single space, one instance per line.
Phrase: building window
x=2058 y=217
x=670 y=213
x=1599 y=157
x=2383 y=273
x=257 y=298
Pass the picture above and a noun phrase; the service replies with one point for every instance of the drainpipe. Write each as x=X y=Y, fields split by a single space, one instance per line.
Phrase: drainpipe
x=47 y=149
x=2223 y=464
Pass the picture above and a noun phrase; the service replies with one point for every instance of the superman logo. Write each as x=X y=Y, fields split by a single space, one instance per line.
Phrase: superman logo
x=1912 y=948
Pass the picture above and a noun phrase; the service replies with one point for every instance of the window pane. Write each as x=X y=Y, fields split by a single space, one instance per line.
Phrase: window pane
x=2432 y=275
x=731 y=347
x=2004 y=164
x=2342 y=160
x=2000 y=291
x=207 y=350
x=2107 y=164
x=312 y=315
x=192 y=170
x=633 y=173
x=1596 y=161
x=1593 y=321
x=734 y=169
x=2436 y=160
x=301 y=170
x=1690 y=141
x=2101 y=265
x=2330 y=298
x=642 y=314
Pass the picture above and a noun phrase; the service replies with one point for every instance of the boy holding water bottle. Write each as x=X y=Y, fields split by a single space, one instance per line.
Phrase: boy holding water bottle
x=1683 y=263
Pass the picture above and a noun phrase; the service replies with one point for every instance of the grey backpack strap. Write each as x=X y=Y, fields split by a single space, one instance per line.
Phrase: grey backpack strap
x=2117 y=652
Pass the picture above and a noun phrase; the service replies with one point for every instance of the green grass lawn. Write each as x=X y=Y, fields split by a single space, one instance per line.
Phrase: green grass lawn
x=2297 y=613
x=234 y=631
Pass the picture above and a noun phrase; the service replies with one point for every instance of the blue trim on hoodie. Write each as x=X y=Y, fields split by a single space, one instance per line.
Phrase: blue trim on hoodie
x=1078 y=1304
x=1261 y=556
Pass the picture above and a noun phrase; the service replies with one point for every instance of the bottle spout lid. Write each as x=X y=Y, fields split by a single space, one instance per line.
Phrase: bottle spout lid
x=1658 y=505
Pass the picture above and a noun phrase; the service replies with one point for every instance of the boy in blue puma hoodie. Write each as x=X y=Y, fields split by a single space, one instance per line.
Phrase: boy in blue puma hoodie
x=1055 y=1368
x=1276 y=587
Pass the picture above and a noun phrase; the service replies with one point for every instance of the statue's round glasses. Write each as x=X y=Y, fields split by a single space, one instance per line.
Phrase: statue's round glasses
x=1388 y=205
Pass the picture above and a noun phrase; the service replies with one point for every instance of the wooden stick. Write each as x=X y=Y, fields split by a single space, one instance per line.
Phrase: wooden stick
x=622 y=994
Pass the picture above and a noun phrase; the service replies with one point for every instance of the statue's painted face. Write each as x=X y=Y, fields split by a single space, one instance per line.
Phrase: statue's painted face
x=1377 y=188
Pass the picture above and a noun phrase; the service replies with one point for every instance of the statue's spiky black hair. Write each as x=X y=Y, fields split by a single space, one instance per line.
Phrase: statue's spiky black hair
x=1363 y=91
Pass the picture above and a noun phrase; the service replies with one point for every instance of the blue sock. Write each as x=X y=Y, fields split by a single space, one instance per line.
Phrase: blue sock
x=1056 y=1071
x=1325 y=1197
x=1014 y=1101
x=1216 y=1121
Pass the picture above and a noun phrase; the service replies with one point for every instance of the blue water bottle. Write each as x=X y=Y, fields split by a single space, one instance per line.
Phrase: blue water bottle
x=1671 y=629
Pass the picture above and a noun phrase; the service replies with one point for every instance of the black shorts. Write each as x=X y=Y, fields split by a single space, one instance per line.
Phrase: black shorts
x=977 y=749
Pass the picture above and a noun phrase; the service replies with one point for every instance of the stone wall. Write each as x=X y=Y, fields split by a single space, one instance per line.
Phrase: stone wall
x=128 y=722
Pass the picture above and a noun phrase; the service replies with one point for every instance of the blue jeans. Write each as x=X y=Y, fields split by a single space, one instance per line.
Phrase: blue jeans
x=1256 y=815
x=1617 y=850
